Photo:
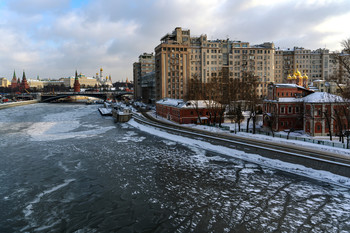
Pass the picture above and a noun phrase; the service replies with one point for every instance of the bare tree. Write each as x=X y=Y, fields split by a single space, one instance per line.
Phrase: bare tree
x=195 y=94
x=270 y=120
x=341 y=77
x=237 y=113
x=328 y=118
x=212 y=94
x=248 y=92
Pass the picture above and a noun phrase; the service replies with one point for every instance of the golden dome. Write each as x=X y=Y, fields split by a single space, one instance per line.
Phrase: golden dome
x=101 y=69
x=305 y=76
x=294 y=77
x=289 y=77
x=297 y=73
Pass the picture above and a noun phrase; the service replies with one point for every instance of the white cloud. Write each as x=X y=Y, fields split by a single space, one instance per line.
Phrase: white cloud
x=49 y=39
x=334 y=29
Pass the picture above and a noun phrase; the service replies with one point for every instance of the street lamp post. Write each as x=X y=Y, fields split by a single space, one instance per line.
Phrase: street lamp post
x=347 y=134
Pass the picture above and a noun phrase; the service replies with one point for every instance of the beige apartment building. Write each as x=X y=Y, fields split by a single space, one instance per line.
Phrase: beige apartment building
x=144 y=66
x=180 y=57
x=284 y=65
x=172 y=69
x=316 y=64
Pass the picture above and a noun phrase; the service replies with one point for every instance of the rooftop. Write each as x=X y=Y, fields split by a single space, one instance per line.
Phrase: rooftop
x=322 y=97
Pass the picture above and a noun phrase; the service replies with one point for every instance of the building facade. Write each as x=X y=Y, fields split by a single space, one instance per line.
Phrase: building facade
x=290 y=106
x=316 y=64
x=172 y=65
x=148 y=87
x=180 y=57
x=85 y=82
x=325 y=113
x=144 y=66
x=187 y=112
x=283 y=108
x=4 y=82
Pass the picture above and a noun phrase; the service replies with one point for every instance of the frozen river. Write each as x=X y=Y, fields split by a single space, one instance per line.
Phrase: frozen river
x=64 y=168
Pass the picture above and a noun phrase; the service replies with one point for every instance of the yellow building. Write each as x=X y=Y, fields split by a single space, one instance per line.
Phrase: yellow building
x=4 y=82
x=84 y=81
x=34 y=83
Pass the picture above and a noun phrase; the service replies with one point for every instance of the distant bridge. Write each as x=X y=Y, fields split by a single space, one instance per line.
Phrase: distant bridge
x=49 y=97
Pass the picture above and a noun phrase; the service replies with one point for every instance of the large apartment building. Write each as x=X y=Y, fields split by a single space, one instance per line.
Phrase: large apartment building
x=180 y=57
x=316 y=64
x=144 y=66
x=172 y=65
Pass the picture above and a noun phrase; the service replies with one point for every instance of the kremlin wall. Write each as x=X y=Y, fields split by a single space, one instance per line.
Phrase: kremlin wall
x=20 y=84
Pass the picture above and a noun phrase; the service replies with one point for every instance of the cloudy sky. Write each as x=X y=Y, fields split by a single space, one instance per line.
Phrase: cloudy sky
x=53 y=38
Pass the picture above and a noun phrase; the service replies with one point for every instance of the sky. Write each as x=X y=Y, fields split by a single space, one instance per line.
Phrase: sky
x=52 y=39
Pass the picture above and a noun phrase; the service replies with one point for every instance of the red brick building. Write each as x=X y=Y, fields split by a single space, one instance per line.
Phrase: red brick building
x=294 y=107
x=277 y=91
x=325 y=112
x=187 y=112
x=284 y=107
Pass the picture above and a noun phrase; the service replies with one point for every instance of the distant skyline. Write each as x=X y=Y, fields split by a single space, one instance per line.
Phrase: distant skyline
x=53 y=38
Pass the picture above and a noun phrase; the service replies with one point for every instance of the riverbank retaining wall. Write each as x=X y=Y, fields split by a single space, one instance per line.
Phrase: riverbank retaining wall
x=20 y=103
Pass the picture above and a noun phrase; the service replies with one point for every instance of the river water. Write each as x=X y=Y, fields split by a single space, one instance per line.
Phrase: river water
x=65 y=168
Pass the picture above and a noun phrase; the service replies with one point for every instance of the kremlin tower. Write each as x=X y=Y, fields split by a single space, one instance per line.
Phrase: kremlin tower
x=76 y=83
x=24 y=85
x=14 y=81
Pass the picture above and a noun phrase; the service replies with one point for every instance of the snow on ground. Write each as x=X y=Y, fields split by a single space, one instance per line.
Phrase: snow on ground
x=254 y=158
x=276 y=139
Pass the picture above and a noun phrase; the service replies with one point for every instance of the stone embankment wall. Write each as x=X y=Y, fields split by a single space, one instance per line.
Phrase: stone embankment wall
x=20 y=103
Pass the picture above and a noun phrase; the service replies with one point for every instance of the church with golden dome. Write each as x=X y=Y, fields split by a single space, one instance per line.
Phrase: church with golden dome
x=104 y=82
x=298 y=79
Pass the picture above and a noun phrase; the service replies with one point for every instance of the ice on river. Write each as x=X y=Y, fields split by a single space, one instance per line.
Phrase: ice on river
x=55 y=126
x=254 y=158
x=49 y=131
x=128 y=181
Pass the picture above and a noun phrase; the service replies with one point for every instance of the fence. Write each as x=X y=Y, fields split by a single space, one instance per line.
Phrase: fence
x=277 y=135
